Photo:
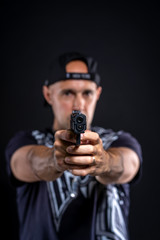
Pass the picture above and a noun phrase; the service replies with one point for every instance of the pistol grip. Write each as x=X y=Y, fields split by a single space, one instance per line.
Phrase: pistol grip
x=78 y=140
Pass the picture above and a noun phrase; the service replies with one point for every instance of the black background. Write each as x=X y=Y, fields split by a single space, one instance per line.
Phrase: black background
x=124 y=38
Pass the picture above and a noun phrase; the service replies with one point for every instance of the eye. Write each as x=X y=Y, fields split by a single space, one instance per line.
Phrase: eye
x=68 y=93
x=88 y=93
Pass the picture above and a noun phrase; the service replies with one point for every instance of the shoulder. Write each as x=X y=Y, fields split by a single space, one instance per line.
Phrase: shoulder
x=45 y=137
x=121 y=138
x=29 y=137
x=108 y=136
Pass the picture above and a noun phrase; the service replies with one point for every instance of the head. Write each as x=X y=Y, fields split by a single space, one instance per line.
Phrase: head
x=77 y=92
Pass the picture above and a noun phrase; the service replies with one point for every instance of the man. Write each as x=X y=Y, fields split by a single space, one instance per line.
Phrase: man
x=66 y=191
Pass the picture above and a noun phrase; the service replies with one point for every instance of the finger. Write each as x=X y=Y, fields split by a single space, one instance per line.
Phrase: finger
x=59 y=161
x=81 y=150
x=61 y=146
x=66 y=135
x=71 y=167
x=84 y=171
x=62 y=165
x=90 y=136
x=79 y=160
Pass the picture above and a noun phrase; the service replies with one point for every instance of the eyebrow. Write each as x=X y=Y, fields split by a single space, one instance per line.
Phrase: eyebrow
x=67 y=90
x=75 y=91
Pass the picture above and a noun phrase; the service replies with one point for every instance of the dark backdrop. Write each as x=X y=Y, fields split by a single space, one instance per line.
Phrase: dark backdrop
x=125 y=41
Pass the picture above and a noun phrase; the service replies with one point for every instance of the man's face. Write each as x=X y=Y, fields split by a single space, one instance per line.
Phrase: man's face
x=66 y=96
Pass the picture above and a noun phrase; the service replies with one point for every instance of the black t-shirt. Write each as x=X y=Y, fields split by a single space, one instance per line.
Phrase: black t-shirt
x=48 y=211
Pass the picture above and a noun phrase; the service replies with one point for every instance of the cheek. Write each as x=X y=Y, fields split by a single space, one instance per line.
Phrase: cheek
x=91 y=105
x=90 y=108
x=66 y=105
x=59 y=105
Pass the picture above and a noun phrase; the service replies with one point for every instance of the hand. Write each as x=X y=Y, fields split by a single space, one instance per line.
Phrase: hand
x=88 y=158
x=116 y=165
x=63 y=139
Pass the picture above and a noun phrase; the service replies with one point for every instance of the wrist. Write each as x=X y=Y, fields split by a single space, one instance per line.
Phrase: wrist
x=114 y=167
x=42 y=163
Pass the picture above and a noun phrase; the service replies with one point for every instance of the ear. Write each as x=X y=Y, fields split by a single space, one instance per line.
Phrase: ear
x=99 y=90
x=46 y=94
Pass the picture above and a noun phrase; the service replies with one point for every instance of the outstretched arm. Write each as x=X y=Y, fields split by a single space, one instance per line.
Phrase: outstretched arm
x=34 y=163
x=115 y=165
x=123 y=164
x=37 y=162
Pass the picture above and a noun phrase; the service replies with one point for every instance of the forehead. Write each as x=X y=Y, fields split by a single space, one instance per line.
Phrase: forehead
x=77 y=66
x=77 y=85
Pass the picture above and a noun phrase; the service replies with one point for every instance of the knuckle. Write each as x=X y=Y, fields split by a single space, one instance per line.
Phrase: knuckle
x=99 y=151
x=93 y=149
x=56 y=145
x=57 y=155
x=90 y=160
x=58 y=134
x=97 y=136
x=83 y=173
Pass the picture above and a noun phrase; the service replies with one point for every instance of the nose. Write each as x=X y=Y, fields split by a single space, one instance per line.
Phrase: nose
x=78 y=103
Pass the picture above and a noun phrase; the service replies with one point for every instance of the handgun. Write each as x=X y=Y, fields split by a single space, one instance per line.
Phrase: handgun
x=78 y=124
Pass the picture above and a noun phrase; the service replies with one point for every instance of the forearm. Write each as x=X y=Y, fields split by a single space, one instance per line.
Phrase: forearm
x=123 y=164
x=34 y=163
